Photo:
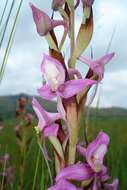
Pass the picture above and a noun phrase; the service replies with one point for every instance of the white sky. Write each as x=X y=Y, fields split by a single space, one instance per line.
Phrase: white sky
x=23 y=69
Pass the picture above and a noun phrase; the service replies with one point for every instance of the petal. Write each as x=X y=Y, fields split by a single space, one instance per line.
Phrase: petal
x=60 y=108
x=53 y=71
x=51 y=130
x=113 y=186
x=103 y=174
x=94 y=187
x=42 y=20
x=46 y=92
x=81 y=150
x=83 y=59
x=97 y=65
x=77 y=172
x=45 y=118
x=73 y=87
x=75 y=72
x=41 y=114
x=105 y=59
x=96 y=150
x=63 y=185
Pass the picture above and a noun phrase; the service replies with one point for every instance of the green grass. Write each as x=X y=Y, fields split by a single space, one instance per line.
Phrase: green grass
x=116 y=158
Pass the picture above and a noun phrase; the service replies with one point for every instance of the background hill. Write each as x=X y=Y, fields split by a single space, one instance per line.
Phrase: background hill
x=8 y=105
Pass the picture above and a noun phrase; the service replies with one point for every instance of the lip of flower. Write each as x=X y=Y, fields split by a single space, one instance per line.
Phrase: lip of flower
x=113 y=186
x=57 y=86
x=64 y=184
x=95 y=151
x=43 y=22
x=97 y=66
x=46 y=123
x=76 y=172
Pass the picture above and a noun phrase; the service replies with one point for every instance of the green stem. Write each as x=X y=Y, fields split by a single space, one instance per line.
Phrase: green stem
x=72 y=30
x=22 y=166
x=62 y=40
x=72 y=122
x=36 y=169
x=4 y=168
x=48 y=167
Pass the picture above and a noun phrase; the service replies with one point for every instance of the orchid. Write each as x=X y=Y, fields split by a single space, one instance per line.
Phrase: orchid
x=64 y=185
x=57 y=86
x=43 y=22
x=95 y=151
x=76 y=172
x=65 y=83
x=46 y=123
x=113 y=186
x=97 y=66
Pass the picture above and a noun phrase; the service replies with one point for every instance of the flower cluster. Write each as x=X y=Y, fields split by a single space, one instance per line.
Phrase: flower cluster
x=65 y=83
x=7 y=172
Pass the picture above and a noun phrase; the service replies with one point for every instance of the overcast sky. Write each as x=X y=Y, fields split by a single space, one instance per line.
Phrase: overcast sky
x=23 y=73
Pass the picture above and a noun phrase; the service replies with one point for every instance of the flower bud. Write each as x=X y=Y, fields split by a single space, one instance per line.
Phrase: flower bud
x=42 y=21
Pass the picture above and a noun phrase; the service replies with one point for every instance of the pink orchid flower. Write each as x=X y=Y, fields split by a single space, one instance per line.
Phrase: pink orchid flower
x=77 y=172
x=113 y=186
x=46 y=123
x=97 y=66
x=43 y=22
x=95 y=151
x=57 y=86
x=64 y=185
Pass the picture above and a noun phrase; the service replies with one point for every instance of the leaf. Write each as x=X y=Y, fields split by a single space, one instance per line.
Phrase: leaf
x=51 y=41
x=67 y=10
x=83 y=39
x=57 y=146
x=84 y=36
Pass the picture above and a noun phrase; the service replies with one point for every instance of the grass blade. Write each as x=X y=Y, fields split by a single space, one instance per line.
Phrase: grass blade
x=3 y=13
x=6 y=23
x=10 y=42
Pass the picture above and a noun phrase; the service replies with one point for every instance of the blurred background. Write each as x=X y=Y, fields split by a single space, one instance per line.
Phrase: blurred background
x=23 y=76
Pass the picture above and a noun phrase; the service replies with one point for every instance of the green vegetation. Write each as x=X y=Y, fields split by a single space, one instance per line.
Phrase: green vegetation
x=116 y=157
x=113 y=121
